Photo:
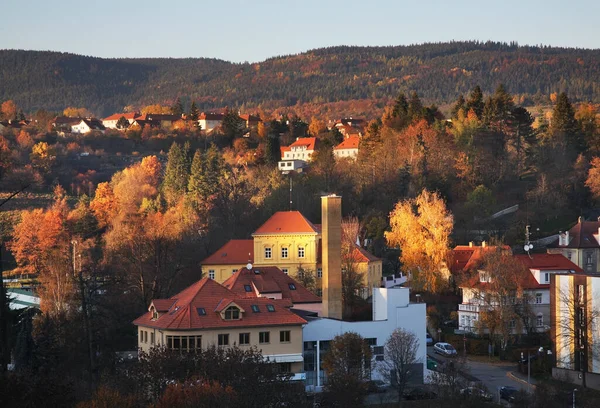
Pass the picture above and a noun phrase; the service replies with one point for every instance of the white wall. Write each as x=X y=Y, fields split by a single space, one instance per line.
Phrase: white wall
x=392 y=303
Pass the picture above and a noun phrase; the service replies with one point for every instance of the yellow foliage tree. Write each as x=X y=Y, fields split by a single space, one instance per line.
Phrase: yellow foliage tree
x=421 y=227
x=316 y=127
x=42 y=156
x=593 y=179
x=104 y=205
x=76 y=112
x=156 y=109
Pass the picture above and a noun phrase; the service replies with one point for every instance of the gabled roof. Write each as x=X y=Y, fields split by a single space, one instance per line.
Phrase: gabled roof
x=66 y=120
x=465 y=258
x=582 y=235
x=349 y=143
x=362 y=255
x=207 y=294
x=211 y=116
x=93 y=124
x=286 y=222
x=309 y=142
x=117 y=116
x=548 y=262
x=235 y=252
x=162 y=305
x=269 y=280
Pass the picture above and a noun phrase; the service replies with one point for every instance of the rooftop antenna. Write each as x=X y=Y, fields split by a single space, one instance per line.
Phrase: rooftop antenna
x=291 y=185
x=528 y=245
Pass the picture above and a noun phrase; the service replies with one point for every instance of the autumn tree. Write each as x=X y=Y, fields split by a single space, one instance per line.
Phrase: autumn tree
x=104 y=205
x=347 y=364
x=400 y=359
x=421 y=227
x=76 y=112
x=198 y=393
x=24 y=140
x=316 y=127
x=9 y=110
x=42 y=156
x=353 y=281
x=156 y=109
x=306 y=277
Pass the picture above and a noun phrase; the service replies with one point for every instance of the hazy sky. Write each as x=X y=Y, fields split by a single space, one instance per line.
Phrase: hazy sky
x=239 y=30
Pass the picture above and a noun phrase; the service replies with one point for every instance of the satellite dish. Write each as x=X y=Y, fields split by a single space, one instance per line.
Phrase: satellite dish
x=249 y=266
x=526 y=248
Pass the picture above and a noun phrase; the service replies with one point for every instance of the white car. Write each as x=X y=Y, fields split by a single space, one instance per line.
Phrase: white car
x=444 y=349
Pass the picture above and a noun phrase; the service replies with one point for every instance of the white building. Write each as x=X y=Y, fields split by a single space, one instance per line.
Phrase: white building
x=87 y=125
x=209 y=121
x=391 y=310
x=297 y=155
x=348 y=148
x=536 y=286
x=111 y=121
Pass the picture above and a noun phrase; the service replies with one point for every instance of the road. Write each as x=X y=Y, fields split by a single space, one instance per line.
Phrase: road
x=490 y=375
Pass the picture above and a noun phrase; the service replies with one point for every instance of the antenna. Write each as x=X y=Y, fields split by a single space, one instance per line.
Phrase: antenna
x=291 y=185
x=528 y=245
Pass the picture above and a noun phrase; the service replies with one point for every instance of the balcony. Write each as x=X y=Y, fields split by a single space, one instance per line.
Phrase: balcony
x=466 y=307
x=393 y=280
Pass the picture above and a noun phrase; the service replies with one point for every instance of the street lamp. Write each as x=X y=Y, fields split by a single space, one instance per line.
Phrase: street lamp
x=575 y=390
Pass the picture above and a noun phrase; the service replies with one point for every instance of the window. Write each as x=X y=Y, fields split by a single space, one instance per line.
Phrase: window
x=319 y=272
x=248 y=288
x=270 y=308
x=223 y=339
x=244 y=339
x=580 y=294
x=540 y=320
x=267 y=253
x=292 y=286
x=588 y=258
x=284 y=270
x=255 y=309
x=284 y=253
x=263 y=337
x=378 y=350
x=154 y=314
x=151 y=337
x=300 y=252
x=284 y=336
x=201 y=311
x=184 y=343
x=372 y=341
x=538 y=298
x=232 y=313
x=211 y=274
x=546 y=277
x=512 y=324
x=233 y=271
x=569 y=255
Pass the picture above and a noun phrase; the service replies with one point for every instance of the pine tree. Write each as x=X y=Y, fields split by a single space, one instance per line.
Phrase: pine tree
x=272 y=149
x=232 y=125
x=458 y=106
x=194 y=112
x=564 y=126
x=196 y=175
x=415 y=107
x=176 y=174
x=475 y=102
x=177 y=108
x=400 y=107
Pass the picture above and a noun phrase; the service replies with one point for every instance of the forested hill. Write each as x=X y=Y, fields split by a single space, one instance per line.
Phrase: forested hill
x=438 y=72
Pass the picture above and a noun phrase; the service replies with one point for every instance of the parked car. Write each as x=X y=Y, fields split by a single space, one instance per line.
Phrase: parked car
x=428 y=340
x=508 y=393
x=420 y=393
x=478 y=393
x=444 y=349
x=374 y=386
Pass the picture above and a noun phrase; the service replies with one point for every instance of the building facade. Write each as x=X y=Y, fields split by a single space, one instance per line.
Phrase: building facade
x=580 y=244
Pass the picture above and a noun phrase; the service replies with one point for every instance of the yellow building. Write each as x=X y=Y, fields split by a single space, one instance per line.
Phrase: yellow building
x=288 y=241
x=207 y=314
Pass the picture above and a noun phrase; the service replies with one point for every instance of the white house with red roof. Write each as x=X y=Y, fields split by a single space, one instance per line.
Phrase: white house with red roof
x=209 y=314
x=208 y=121
x=296 y=156
x=535 y=284
x=110 y=122
x=347 y=149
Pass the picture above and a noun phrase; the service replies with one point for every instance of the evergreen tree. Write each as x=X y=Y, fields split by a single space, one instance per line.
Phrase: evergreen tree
x=196 y=175
x=122 y=123
x=272 y=149
x=522 y=137
x=214 y=169
x=400 y=107
x=177 y=108
x=475 y=102
x=415 y=107
x=565 y=125
x=232 y=125
x=176 y=174
x=503 y=104
x=194 y=112
x=458 y=106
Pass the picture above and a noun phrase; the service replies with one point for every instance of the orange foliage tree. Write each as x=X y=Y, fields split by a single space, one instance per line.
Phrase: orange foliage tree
x=198 y=394
x=421 y=227
x=9 y=109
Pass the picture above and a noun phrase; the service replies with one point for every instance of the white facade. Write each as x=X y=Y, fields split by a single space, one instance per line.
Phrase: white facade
x=299 y=153
x=342 y=153
x=208 y=125
x=291 y=165
x=81 y=127
x=391 y=310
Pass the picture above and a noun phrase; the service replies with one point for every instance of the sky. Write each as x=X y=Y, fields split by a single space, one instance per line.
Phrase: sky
x=240 y=30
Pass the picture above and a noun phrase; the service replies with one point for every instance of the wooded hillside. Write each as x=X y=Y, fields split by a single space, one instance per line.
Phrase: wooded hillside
x=439 y=72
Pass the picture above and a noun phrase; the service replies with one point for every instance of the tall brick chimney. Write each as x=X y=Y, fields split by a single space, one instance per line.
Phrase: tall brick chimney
x=331 y=233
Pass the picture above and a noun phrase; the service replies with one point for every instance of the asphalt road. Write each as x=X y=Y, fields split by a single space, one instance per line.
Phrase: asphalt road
x=490 y=375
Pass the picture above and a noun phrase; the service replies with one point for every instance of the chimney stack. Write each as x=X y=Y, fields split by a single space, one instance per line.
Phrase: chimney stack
x=470 y=244
x=331 y=232
x=483 y=244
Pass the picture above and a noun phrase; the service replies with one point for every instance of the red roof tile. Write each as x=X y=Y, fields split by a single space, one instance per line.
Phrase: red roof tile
x=286 y=222
x=211 y=116
x=349 y=143
x=268 y=280
x=208 y=294
x=117 y=116
x=235 y=252
x=466 y=258
x=162 y=305
x=548 y=262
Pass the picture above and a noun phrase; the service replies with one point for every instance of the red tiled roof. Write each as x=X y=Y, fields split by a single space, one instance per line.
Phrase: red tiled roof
x=548 y=262
x=211 y=116
x=117 y=116
x=162 y=305
x=581 y=236
x=466 y=258
x=208 y=294
x=362 y=255
x=286 y=222
x=350 y=143
x=236 y=251
x=268 y=280
x=309 y=142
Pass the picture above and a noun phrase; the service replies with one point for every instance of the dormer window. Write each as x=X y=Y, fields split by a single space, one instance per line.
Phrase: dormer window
x=232 y=313
x=484 y=277
x=154 y=314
